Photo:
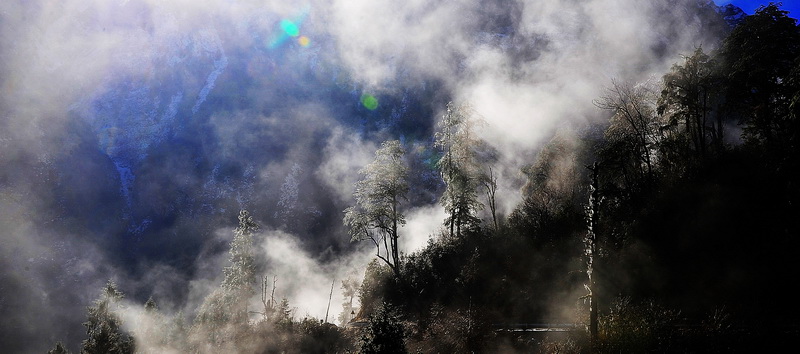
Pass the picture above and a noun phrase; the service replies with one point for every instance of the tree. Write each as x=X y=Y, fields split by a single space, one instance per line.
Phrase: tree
x=489 y=182
x=104 y=327
x=376 y=286
x=283 y=315
x=552 y=185
x=690 y=94
x=152 y=327
x=269 y=305
x=287 y=205
x=349 y=291
x=150 y=305
x=225 y=309
x=459 y=167
x=633 y=134
x=177 y=332
x=58 y=349
x=759 y=56
x=591 y=250
x=377 y=213
x=384 y=333
x=240 y=276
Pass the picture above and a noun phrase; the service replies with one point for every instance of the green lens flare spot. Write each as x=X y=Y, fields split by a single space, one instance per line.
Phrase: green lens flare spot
x=290 y=28
x=369 y=101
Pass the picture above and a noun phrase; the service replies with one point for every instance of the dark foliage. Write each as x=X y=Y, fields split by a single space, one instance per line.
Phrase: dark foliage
x=58 y=349
x=384 y=334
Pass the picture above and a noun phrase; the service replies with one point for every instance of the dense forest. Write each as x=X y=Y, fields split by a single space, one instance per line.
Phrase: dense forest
x=669 y=227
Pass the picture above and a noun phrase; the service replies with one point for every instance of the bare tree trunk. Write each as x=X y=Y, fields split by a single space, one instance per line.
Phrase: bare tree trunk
x=395 y=252
x=329 y=301
x=590 y=243
x=491 y=192
x=458 y=223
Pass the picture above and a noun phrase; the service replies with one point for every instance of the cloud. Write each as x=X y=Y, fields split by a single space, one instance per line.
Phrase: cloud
x=422 y=224
x=304 y=279
x=344 y=155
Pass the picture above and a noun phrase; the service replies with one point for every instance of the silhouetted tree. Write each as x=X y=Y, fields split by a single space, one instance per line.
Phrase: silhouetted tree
x=489 y=182
x=689 y=98
x=373 y=289
x=384 y=333
x=759 y=56
x=150 y=305
x=58 y=349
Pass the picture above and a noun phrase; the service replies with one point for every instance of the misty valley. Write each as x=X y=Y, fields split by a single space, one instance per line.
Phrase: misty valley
x=347 y=176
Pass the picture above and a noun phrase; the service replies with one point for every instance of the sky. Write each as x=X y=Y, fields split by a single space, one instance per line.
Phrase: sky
x=750 y=6
x=132 y=132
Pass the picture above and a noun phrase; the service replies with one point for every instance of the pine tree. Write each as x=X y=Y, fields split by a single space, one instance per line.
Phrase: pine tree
x=240 y=277
x=103 y=326
x=58 y=349
x=225 y=309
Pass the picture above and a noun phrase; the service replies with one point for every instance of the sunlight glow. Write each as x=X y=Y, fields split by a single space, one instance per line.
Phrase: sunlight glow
x=304 y=41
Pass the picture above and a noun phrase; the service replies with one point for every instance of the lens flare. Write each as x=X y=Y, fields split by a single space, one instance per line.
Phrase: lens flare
x=303 y=41
x=290 y=28
x=369 y=101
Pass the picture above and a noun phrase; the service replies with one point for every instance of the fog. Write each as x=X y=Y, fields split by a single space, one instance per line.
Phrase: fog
x=133 y=131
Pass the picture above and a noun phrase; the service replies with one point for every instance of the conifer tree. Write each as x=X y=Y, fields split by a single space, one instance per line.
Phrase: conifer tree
x=104 y=327
x=240 y=277
x=224 y=311
x=58 y=349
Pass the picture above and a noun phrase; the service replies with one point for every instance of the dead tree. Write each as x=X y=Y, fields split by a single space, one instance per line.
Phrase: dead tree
x=269 y=305
x=591 y=251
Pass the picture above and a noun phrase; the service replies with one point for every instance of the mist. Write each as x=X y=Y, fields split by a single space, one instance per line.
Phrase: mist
x=132 y=132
